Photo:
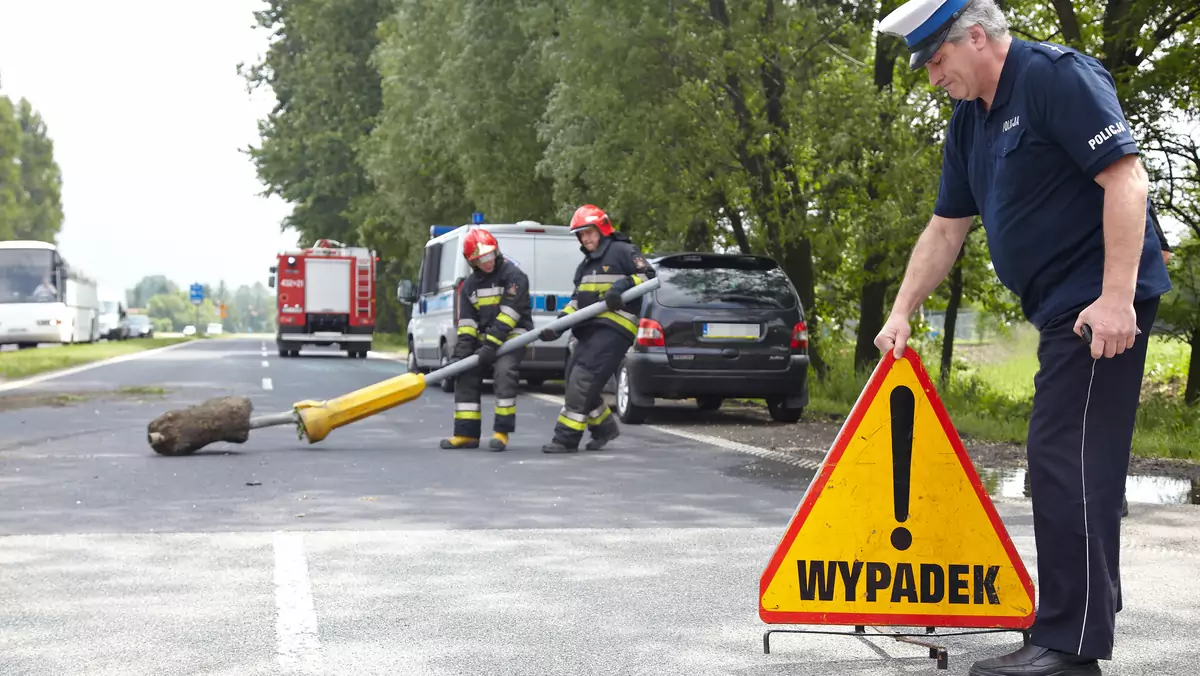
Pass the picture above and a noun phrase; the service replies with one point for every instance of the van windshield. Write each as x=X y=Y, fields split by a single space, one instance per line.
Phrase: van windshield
x=716 y=283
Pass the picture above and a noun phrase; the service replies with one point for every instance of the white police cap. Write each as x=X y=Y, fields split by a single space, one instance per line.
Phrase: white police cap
x=923 y=24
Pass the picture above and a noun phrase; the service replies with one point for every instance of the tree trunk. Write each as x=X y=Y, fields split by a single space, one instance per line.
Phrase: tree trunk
x=951 y=322
x=1191 y=393
x=739 y=229
x=870 y=313
x=698 y=236
x=874 y=290
x=798 y=265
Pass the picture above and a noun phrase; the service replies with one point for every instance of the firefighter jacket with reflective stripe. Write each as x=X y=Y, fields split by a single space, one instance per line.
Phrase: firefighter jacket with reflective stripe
x=492 y=307
x=615 y=264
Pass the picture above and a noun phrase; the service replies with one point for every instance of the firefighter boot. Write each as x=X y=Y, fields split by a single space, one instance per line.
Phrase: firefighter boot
x=499 y=441
x=460 y=442
x=558 y=447
x=603 y=426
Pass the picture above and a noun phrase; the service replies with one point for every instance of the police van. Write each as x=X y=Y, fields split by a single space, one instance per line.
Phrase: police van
x=548 y=254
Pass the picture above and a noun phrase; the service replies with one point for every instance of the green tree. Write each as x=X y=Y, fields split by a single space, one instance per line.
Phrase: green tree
x=11 y=191
x=41 y=214
x=139 y=296
x=328 y=94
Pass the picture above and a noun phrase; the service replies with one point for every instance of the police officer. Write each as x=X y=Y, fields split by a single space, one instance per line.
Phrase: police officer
x=611 y=265
x=493 y=306
x=1039 y=148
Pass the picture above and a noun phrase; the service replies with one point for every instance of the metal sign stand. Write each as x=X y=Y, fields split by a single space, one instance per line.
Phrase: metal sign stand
x=936 y=651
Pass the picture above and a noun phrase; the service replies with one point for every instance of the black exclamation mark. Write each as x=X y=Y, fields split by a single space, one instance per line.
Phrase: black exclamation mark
x=903 y=411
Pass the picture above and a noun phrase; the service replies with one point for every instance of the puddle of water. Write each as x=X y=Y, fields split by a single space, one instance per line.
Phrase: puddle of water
x=1159 y=490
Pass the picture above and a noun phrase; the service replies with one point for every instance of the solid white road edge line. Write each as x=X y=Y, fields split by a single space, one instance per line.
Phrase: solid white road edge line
x=298 y=649
x=33 y=380
x=738 y=447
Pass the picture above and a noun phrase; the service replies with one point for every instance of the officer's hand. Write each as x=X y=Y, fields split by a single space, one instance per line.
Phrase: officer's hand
x=613 y=300
x=548 y=335
x=1113 y=323
x=486 y=354
x=894 y=335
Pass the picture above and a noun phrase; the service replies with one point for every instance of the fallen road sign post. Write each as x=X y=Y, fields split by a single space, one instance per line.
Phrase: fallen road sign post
x=896 y=528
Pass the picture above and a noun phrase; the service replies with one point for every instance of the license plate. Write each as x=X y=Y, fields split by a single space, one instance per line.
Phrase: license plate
x=732 y=331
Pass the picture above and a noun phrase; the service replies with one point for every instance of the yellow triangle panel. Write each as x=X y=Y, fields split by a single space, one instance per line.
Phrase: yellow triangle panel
x=896 y=529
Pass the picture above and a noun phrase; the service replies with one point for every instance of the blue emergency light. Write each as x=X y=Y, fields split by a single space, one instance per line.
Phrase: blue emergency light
x=439 y=230
x=477 y=217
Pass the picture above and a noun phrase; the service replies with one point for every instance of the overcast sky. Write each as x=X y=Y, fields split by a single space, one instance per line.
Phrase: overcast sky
x=147 y=113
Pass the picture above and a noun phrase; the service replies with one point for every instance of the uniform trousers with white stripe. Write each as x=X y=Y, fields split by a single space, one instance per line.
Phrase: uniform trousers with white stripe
x=1080 y=435
x=597 y=356
x=468 y=410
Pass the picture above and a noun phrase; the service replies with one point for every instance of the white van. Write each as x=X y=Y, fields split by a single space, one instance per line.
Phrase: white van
x=112 y=314
x=548 y=254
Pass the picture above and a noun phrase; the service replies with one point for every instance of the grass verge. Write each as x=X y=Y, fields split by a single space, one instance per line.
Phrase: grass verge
x=25 y=363
x=389 y=342
x=990 y=396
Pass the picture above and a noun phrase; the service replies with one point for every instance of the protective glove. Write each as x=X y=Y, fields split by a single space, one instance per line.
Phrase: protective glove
x=613 y=300
x=487 y=355
x=548 y=335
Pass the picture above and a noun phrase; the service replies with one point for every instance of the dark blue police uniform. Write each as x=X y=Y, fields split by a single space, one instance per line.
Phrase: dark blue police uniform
x=1027 y=166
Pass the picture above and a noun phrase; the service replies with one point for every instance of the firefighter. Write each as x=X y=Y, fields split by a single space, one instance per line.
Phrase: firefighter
x=493 y=306
x=612 y=264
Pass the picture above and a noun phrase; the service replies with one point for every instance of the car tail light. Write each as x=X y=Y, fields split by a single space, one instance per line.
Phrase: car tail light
x=650 y=334
x=800 y=336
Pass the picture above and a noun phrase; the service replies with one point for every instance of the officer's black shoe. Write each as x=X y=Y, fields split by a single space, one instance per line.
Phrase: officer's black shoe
x=598 y=441
x=1033 y=660
x=556 y=447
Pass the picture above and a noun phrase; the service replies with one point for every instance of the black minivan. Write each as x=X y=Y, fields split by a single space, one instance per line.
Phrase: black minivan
x=718 y=326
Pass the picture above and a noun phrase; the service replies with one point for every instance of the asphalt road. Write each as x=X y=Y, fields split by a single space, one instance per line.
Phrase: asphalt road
x=375 y=552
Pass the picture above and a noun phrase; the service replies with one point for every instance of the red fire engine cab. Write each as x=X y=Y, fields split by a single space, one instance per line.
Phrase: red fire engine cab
x=325 y=296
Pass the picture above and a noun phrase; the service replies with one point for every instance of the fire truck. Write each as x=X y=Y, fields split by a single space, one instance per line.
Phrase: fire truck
x=325 y=296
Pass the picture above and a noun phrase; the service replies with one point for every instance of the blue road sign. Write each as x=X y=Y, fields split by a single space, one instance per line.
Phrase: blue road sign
x=197 y=294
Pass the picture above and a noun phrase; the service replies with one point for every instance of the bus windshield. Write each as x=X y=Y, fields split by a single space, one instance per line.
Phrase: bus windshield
x=27 y=276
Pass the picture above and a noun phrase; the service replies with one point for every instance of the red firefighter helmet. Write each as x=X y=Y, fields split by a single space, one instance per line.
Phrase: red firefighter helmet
x=591 y=216
x=479 y=246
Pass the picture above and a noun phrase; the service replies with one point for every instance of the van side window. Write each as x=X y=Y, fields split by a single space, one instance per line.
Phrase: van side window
x=429 y=269
x=450 y=251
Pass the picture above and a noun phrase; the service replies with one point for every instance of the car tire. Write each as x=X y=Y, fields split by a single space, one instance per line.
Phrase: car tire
x=412 y=360
x=709 y=403
x=447 y=383
x=535 y=382
x=780 y=413
x=628 y=411
x=284 y=352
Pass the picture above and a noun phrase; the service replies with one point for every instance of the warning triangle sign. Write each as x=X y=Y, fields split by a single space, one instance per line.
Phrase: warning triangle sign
x=896 y=528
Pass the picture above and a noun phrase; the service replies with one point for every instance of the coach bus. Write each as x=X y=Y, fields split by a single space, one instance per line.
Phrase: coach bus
x=43 y=299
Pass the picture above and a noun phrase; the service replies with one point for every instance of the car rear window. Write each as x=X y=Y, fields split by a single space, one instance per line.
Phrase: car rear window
x=730 y=283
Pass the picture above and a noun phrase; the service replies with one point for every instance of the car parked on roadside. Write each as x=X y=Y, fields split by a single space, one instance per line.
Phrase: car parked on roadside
x=719 y=326
x=138 y=326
